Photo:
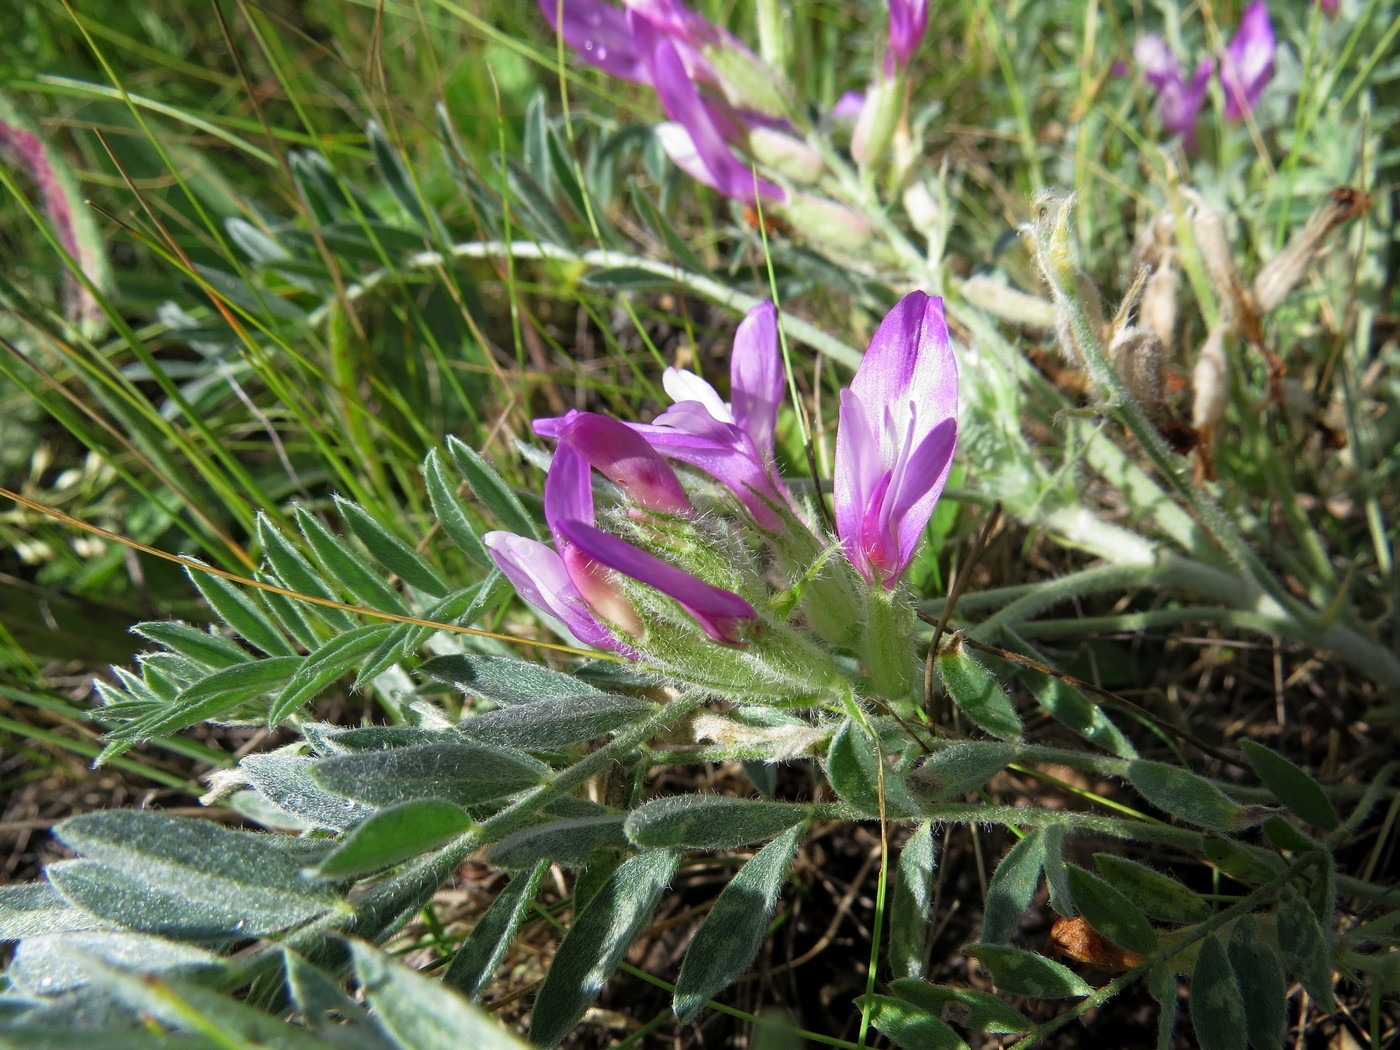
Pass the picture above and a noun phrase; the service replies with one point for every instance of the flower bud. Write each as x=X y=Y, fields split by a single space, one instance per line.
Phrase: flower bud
x=1157 y=312
x=834 y=226
x=786 y=154
x=1210 y=383
x=875 y=127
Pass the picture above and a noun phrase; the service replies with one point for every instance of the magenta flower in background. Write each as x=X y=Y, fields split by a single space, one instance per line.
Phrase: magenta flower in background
x=576 y=584
x=600 y=34
x=732 y=442
x=1178 y=101
x=1248 y=62
x=894 y=445
x=908 y=22
x=696 y=137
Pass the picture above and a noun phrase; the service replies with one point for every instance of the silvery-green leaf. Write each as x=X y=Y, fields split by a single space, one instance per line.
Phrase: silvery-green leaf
x=569 y=843
x=478 y=956
x=1111 y=913
x=1217 y=1007
x=285 y=781
x=504 y=681
x=909 y=907
x=418 y=1013
x=733 y=931
x=51 y=963
x=1304 y=946
x=34 y=908
x=1012 y=887
x=1160 y=896
x=1291 y=786
x=1263 y=990
x=959 y=768
x=710 y=821
x=593 y=947
x=854 y=768
x=967 y=1007
x=910 y=1027
x=557 y=721
x=1192 y=798
x=394 y=835
x=467 y=774
x=1026 y=973
x=492 y=490
x=977 y=693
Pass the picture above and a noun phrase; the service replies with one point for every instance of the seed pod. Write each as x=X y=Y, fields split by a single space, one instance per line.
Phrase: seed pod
x=1287 y=268
x=1208 y=226
x=1210 y=383
x=1010 y=304
x=1157 y=312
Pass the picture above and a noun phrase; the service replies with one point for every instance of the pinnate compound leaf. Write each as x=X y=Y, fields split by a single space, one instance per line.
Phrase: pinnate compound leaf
x=1012 y=887
x=710 y=821
x=331 y=661
x=1110 y=912
x=856 y=774
x=570 y=843
x=294 y=572
x=1291 y=786
x=1192 y=798
x=390 y=551
x=967 y=1007
x=345 y=566
x=467 y=774
x=393 y=835
x=484 y=948
x=910 y=1027
x=34 y=908
x=492 y=490
x=502 y=680
x=451 y=512
x=733 y=931
x=418 y=1013
x=241 y=612
x=593 y=947
x=1158 y=895
x=1262 y=987
x=909 y=908
x=1304 y=945
x=1217 y=1008
x=977 y=693
x=212 y=695
x=556 y=722
x=1025 y=973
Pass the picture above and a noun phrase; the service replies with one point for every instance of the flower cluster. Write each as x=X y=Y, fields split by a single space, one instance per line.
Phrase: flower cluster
x=674 y=538
x=1245 y=68
x=728 y=111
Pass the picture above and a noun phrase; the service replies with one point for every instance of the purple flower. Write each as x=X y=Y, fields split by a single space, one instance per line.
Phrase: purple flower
x=577 y=584
x=695 y=139
x=894 y=446
x=1248 y=62
x=600 y=34
x=732 y=442
x=1178 y=101
x=908 y=21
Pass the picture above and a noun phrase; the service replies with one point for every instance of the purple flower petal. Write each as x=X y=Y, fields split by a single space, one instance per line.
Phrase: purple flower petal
x=716 y=610
x=539 y=576
x=1248 y=62
x=908 y=21
x=702 y=151
x=600 y=34
x=1178 y=102
x=623 y=456
x=898 y=425
x=756 y=376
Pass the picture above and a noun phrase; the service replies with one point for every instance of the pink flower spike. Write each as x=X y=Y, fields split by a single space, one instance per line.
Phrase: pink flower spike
x=716 y=610
x=623 y=456
x=1248 y=62
x=894 y=446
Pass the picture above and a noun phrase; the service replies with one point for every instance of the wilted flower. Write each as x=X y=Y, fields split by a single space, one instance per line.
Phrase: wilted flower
x=1248 y=62
x=894 y=446
x=577 y=584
